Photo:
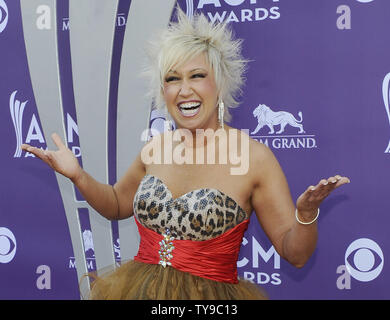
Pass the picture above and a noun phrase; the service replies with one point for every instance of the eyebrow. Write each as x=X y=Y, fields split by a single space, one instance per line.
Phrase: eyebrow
x=196 y=69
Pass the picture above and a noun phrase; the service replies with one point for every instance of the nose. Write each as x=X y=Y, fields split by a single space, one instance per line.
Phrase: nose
x=185 y=89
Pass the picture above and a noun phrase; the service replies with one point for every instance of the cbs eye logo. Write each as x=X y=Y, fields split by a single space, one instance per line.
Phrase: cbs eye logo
x=3 y=15
x=7 y=245
x=364 y=259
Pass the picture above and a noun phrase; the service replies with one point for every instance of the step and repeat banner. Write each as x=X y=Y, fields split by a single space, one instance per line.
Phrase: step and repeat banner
x=316 y=93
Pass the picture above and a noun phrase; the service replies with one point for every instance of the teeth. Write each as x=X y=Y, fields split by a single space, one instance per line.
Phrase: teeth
x=189 y=112
x=189 y=109
x=189 y=105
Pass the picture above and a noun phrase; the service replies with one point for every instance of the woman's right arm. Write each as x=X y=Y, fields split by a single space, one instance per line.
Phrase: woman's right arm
x=113 y=202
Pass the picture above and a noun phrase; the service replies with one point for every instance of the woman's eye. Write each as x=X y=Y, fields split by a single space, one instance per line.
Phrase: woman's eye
x=199 y=75
x=172 y=78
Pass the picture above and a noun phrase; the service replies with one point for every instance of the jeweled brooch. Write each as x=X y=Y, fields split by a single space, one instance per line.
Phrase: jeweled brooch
x=166 y=247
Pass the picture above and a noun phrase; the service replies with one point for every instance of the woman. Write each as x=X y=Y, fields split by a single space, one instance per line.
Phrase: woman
x=192 y=213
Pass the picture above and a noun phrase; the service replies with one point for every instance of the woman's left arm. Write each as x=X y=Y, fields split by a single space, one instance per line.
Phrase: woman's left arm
x=271 y=199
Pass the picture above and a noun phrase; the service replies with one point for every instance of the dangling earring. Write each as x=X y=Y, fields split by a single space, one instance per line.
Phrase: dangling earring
x=167 y=122
x=221 y=113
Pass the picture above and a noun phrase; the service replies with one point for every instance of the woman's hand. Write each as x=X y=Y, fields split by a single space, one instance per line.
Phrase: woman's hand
x=309 y=201
x=63 y=160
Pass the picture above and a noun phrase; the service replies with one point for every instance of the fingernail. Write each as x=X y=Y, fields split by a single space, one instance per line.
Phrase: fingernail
x=334 y=181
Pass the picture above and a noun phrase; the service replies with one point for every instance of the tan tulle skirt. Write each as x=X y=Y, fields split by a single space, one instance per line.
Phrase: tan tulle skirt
x=135 y=280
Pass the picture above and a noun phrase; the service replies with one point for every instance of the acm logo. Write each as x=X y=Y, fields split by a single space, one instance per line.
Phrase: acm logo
x=34 y=132
x=258 y=254
x=242 y=11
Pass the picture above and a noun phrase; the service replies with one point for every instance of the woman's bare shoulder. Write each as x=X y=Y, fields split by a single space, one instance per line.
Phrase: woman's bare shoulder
x=262 y=160
x=257 y=150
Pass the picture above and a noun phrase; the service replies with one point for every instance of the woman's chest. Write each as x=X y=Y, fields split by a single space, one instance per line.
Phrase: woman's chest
x=199 y=214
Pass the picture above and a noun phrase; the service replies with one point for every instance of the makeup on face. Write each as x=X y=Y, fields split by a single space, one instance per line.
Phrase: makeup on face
x=190 y=92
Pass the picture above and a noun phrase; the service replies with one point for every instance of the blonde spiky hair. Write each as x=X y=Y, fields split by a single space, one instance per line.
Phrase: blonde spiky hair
x=185 y=39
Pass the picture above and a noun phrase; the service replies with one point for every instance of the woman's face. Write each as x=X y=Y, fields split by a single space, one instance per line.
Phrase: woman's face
x=191 y=95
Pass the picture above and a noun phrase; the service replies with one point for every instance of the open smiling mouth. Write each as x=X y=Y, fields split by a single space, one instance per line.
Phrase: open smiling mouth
x=189 y=109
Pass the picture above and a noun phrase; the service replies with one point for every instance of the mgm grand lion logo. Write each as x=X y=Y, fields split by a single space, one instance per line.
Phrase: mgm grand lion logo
x=266 y=117
x=270 y=119
x=90 y=252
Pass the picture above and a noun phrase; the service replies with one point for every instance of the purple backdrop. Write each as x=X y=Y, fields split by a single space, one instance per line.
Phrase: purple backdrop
x=327 y=60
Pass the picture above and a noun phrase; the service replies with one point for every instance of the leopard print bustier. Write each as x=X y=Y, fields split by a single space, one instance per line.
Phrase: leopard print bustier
x=200 y=214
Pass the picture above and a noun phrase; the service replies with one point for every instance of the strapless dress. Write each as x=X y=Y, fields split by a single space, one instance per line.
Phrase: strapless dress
x=188 y=249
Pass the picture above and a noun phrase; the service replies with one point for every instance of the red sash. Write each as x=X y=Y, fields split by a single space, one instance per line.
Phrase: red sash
x=214 y=259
